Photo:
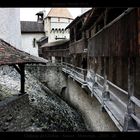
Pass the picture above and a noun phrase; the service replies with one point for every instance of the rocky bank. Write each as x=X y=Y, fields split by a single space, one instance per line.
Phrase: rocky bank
x=45 y=110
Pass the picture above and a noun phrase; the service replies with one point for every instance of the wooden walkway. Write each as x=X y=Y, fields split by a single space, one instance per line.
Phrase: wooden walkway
x=114 y=101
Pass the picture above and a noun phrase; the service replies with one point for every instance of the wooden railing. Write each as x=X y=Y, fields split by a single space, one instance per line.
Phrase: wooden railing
x=134 y=115
x=112 y=98
x=78 y=73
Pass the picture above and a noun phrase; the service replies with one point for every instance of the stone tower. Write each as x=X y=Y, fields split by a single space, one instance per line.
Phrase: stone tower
x=55 y=23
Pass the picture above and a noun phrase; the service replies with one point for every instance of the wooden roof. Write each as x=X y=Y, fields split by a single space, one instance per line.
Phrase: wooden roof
x=92 y=17
x=78 y=18
x=10 y=55
x=31 y=27
x=55 y=43
x=59 y=12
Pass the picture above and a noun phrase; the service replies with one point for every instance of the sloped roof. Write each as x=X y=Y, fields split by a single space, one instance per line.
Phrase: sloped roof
x=31 y=27
x=59 y=12
x=11 y=55
x=78 y=18
x=55 y=43
x=92 y=17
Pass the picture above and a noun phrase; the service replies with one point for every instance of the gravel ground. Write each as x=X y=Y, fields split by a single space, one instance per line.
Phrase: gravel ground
x=48 y=111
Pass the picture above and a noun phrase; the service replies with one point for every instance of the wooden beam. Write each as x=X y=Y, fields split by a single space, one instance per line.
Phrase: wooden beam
x=105 y=92
x=17 y=68
x=128 y=120
x=22 y=81
x=105 y=16
x=131 y=81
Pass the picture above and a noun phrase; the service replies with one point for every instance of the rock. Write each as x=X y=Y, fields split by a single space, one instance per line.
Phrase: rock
x=32 y=99
x=49 y=112
x=32 y=120
x=5 y=128
x=9 y=119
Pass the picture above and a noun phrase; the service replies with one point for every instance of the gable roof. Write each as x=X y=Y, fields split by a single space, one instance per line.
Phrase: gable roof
x=59 y=12
x=92 y=17
x=31 y=27
x=10 y=55
x=78 y=18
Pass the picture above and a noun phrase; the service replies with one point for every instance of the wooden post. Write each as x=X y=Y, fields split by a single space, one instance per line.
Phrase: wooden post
x=74 y=34
x=105 y=16
x=21 y=70
x=131 y=81
x=128 y=122
x=105 y=92
x=22 y=81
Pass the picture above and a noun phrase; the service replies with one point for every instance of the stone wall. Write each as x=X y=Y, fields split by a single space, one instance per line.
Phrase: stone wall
x=51 y=76
x=95 y=118
x=11 y=113
x=27 y=42
x=71 y=91
x=10 y=26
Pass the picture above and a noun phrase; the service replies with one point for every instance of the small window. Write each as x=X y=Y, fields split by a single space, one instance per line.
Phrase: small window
x=34 y=42
x=52 y=30
x=56 y=31
x=59 y=30
x=58 y=19
x=63 y=31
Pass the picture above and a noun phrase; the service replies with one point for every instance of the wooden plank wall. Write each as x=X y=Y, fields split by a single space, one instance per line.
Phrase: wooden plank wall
x=119 y=39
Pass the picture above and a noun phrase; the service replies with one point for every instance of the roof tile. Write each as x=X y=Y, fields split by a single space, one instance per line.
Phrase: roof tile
x=31 y=26
x=11 y=55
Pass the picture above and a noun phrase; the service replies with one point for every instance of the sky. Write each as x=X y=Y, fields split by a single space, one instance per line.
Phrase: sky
x=28 y=14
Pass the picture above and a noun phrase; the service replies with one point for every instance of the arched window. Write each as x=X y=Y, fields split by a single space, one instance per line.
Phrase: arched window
x=59 y=30
x=56 y=31
x=52 y=30
x=58 y=19
x=63 y=30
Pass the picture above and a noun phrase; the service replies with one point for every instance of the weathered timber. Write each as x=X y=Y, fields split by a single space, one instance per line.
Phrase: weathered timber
x=128 y=121
x=117 y=39
x=77 y=47
x=22 y=82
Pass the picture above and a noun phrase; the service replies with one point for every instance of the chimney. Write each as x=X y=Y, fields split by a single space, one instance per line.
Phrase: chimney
x=40 y=17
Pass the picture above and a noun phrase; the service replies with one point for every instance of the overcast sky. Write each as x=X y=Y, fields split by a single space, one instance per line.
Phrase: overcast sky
x=28 y=14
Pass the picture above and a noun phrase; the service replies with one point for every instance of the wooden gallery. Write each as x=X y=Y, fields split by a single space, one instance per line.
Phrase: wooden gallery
x=105 y=42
